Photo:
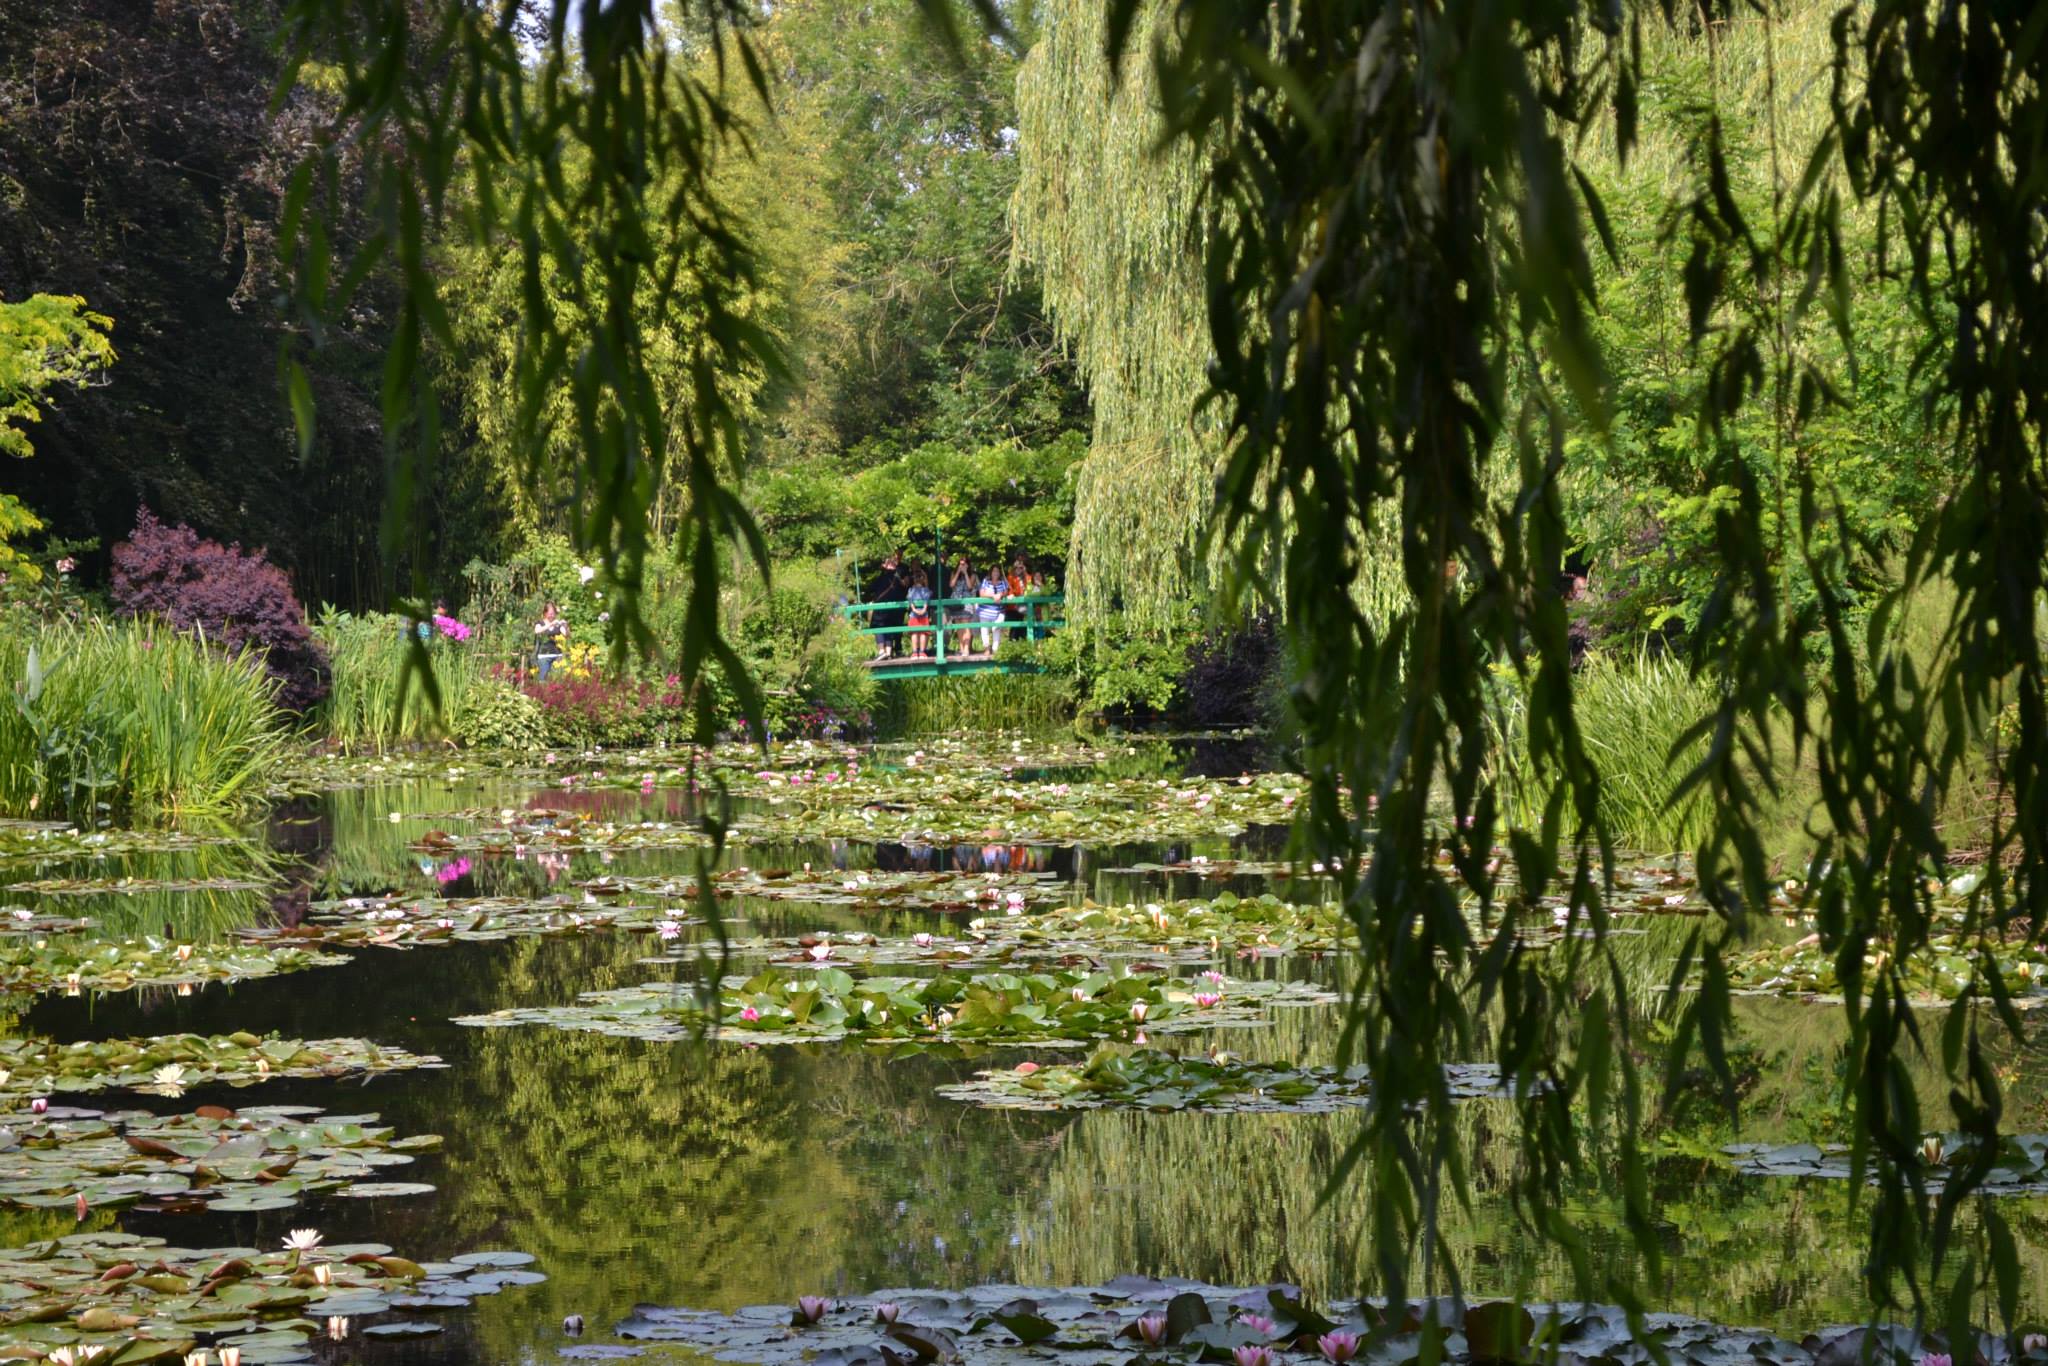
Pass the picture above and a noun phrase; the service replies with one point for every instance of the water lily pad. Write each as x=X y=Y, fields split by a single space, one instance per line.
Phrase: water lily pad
x=371 y=1190
x=407 y=1328
x=496 y=1258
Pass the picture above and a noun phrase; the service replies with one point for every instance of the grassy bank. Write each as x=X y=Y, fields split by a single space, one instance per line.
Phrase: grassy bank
x=124 y=716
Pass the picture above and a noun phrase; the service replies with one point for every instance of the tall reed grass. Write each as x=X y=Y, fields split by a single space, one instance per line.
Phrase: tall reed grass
x=974 y=702
x=1631 y=711
x=368 y=653
x=123 y=716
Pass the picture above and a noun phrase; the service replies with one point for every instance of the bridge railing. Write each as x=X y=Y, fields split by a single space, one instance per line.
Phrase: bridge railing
x=1034 y=626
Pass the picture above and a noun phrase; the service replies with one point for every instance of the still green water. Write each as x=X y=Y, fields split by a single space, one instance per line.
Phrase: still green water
x=722 y=1176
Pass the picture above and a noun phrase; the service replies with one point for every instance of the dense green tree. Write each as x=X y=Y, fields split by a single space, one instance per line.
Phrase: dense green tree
x=45 y=340
x=908 y=326
x=142 y=168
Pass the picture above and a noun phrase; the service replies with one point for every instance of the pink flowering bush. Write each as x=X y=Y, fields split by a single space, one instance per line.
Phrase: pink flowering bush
x=237 y=598
x=450 y=627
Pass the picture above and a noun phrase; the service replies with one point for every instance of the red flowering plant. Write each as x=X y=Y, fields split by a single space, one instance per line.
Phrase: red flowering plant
x=610 y=711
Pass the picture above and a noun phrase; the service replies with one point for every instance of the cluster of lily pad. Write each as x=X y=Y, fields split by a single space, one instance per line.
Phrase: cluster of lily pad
x=1148 y=1079
x=116 y=1299
x=100 y=886
x=167 y=1064
x=43 y=841
x=825 y=1005
x=402 y=922
x=75 y=965
x=910 y=807
x=213 y=1158
x=1939 y=972
x=1182 y=932
x=2020 y=1166
x=862 y=890
x=1136 y=1317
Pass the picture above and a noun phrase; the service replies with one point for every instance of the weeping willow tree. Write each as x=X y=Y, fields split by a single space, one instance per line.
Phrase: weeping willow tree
x=1401 y=236
x=1109 y=223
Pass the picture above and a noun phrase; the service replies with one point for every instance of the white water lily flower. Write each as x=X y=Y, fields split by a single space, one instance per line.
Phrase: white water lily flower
x=170 y=1074
x=302 y=1240
x=184 y=952
x=230 y=1356
x=198 y=1358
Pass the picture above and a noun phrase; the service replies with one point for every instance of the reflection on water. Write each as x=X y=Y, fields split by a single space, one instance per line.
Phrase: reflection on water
x=722 y=1176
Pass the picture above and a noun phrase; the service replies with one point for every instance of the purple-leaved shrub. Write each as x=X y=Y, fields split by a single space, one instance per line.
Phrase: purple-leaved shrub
x=236 y=597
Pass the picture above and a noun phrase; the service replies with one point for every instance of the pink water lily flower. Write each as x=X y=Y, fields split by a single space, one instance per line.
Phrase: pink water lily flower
x=1341 y=1346
x=1252 y=1356
x=922 y=940
x=886 y=1312
x=1259 y=1323
x=811 y=1308
x=1936 y=1359
x=750 y=1014
x=1026 y=1068
x=1214 y=977
x=669 y=929
x=1152 y=1329
x=1138 y=1011
x=1206 y=999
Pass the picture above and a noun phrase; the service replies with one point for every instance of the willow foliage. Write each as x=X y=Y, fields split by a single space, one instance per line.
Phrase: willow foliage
x=1111 y=228
x=1400 y=282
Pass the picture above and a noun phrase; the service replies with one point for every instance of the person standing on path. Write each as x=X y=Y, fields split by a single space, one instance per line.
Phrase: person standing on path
x=548 y=634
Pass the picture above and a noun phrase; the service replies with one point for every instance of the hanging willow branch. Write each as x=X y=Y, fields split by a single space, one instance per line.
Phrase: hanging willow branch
x=1399 y=288
x=1108 y=222
x=573 y=138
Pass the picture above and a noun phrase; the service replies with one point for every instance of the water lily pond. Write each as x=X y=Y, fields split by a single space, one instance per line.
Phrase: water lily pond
x=1028 y=1014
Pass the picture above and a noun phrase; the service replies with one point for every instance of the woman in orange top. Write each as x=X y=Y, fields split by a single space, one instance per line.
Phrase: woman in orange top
x=1023 y=583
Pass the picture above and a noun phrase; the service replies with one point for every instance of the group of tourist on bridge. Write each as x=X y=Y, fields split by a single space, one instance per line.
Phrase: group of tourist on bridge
x=912 y=621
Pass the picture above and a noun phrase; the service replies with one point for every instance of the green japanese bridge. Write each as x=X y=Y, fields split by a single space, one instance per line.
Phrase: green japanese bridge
x=940 y=641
